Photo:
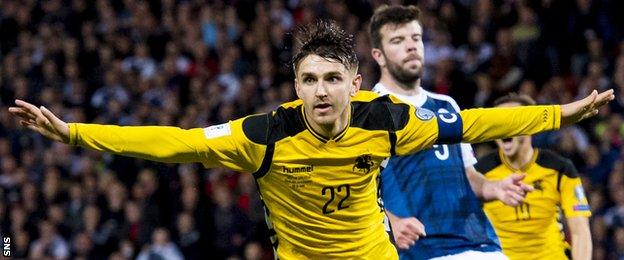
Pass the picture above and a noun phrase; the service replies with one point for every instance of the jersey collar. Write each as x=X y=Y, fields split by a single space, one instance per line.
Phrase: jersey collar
x=319 y=136
x=524 y=167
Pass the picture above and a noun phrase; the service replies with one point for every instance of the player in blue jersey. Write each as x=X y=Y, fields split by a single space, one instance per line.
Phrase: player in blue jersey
x=438 y=189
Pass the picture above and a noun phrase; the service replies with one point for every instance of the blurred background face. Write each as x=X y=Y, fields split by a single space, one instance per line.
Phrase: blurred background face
x=160 y=237
x=402 y=51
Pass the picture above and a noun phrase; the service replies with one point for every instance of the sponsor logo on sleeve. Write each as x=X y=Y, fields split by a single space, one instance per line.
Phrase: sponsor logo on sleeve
x=217 y=131
x=583 y=207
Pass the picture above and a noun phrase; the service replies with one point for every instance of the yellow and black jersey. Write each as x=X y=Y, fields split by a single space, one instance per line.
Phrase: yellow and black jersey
x=531 y=230
x=320 y=193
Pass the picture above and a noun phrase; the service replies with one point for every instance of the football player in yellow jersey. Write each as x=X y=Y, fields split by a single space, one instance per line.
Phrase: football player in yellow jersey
x=531 y=230
x=316 y=159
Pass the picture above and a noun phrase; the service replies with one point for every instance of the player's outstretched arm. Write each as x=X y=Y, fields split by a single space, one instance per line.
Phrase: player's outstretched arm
x=480 y=125
x=216 y=146
x=41 y=120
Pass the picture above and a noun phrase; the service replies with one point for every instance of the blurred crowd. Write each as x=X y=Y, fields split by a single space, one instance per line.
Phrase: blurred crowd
x=198 y=63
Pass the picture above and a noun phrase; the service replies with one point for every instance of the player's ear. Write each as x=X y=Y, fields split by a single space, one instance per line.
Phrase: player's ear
x=379 y=57
x=355 y=84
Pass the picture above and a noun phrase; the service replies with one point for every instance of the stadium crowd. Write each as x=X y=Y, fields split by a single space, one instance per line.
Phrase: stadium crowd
x=198 y=63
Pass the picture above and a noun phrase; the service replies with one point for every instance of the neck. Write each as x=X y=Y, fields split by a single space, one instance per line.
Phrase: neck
x=332 y=129
x=394 y=86
x=522 y=157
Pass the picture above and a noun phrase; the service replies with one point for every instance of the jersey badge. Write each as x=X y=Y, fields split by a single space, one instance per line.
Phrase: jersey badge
x=424 y=114
x=364 y=163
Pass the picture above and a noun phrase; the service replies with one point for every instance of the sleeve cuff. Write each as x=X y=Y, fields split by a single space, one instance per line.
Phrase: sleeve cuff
x=73 y=133
x=556 y=117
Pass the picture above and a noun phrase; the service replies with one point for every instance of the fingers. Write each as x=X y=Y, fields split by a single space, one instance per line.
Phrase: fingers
x=517 y=177
x=22 y=113
x=604 y=98
x=416 y=227
x=56 y=122
x=587 y=101
x=526 y=187
x=513 y=199
x=407 y=231
x=28 y=111
x=28 y=107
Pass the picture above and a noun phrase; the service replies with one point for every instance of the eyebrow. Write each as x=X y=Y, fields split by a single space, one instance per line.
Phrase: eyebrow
x=330 y=73
x=402 y=36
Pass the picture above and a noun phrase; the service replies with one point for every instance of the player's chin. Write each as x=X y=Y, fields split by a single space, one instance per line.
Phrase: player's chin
x=324 y=119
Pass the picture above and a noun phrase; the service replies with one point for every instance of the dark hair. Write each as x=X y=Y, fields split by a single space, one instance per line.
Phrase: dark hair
x=395 y=15
x=522 y=99
x=326 y=39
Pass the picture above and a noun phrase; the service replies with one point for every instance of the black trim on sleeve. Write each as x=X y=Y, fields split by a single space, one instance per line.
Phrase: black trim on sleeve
x=266 y=162
x=393 y=139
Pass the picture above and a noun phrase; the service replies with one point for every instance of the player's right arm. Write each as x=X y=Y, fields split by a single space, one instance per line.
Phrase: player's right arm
x=224 y=145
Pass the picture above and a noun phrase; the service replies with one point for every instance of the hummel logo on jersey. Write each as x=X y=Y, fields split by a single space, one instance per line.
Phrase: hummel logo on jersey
x=545 y=116
x=308 y=168
x=364 y=163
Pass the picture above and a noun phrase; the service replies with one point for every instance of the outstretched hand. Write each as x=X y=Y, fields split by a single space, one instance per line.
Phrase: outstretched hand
x=512 y=190
x=576 y=111
x=41 y=120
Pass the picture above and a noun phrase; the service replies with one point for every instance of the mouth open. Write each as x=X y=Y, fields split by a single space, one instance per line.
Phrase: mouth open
x=322 y=107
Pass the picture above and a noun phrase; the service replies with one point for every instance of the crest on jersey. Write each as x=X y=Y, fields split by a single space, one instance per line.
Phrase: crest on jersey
x=424 y=114
x=364 y=163
x=538 y=185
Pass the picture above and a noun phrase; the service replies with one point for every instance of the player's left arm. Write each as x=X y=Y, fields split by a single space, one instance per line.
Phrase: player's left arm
x=480 y=125
x=422 y=129
x=576 y=210
x=581 y=237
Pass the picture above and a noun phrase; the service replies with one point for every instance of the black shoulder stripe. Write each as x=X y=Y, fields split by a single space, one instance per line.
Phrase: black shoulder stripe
x=551 y=160
x=380 y=114
x=273 y=126
x=563 y=166
x=488 y=162
x=256 y=128
x=286 y=122
x=266 y=161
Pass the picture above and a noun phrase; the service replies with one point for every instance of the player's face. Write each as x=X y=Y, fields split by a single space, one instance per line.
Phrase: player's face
x=326 y=87
x=402 y=51
x=509 y=146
